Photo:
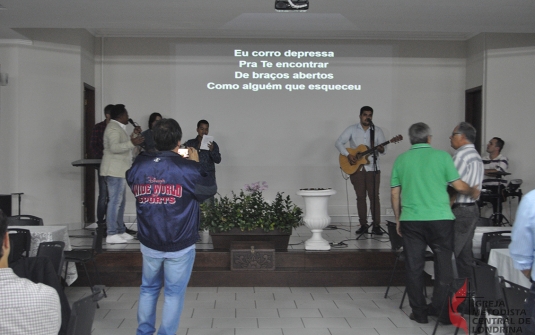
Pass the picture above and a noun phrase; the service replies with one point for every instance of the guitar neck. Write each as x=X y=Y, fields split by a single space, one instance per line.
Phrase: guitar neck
x=369 y=151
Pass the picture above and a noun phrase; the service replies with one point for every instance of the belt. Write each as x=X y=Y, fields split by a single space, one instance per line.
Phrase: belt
x=463 y=204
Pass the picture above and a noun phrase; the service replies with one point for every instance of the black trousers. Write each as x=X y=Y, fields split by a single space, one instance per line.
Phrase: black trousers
x=417 y=235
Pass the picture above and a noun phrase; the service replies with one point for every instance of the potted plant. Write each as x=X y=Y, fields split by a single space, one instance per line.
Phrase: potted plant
x=247 y=216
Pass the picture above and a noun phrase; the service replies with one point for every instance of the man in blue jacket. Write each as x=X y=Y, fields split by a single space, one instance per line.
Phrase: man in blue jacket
x=168 y=190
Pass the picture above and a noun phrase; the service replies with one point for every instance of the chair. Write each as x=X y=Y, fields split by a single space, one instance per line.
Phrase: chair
x=486 y=239
x=515 y=296
x=20 y=242
x=396 y=242
x=83 y=256
x=54 y=251
x=24 y=220
x=488 y=293
x=82 y=314
x=499 y=243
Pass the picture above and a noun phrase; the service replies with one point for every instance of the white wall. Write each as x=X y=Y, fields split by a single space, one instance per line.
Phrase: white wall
x=510 y=111
x=41 y=108
x=475 y=61
x=287 y=138
x=284 y=138
x=9 y=122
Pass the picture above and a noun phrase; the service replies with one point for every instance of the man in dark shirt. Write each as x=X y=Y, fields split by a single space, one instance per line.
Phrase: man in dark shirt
x=168 y=190
x=207 y=158
x=96 y=148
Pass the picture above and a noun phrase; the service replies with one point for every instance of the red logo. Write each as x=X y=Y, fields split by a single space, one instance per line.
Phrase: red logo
x=455 y=317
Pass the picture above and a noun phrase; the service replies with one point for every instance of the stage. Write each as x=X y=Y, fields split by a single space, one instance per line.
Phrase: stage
x=367 y=261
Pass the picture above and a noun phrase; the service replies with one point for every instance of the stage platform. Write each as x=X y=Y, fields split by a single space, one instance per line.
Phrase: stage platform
x=367 y=261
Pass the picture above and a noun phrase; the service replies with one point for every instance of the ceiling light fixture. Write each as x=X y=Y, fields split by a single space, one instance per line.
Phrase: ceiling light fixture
x=291 y=5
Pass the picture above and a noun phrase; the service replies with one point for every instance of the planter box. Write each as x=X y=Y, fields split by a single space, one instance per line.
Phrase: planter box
x=279 y=239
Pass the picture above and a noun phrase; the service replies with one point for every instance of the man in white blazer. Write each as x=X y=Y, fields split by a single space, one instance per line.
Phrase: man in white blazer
x=116 y=160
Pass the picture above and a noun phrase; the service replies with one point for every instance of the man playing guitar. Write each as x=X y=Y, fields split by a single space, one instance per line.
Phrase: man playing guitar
x=363 y=180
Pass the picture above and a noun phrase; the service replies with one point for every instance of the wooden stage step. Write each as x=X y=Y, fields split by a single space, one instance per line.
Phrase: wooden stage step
x=292 y=268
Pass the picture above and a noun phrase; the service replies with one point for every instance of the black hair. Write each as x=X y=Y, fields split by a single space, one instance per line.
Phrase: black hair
x=153 y=117
x=117 y=111
x=167 y=133
x=499 y=143
x=202 y=122
x=366 y=109
x=3 y=230
x=107 y=109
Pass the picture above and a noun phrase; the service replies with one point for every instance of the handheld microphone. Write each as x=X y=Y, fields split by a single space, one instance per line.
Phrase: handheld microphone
x=133 y=123
x=369 y=121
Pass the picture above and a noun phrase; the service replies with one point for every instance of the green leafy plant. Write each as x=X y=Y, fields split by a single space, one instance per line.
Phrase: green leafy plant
x=249 y=211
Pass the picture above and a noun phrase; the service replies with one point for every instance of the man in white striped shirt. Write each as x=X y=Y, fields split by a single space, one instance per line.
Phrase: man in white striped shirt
x=470 y=166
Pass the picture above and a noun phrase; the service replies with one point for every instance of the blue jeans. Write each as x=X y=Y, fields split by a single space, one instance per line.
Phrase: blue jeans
x=102 y=198
x=115 y=213
x=176 y=273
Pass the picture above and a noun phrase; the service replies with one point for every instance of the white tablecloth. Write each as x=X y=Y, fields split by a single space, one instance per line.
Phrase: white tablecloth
x=47 y=234
x=501 y=260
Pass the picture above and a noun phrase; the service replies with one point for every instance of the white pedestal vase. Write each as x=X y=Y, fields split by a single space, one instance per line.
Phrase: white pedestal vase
x=316 y=216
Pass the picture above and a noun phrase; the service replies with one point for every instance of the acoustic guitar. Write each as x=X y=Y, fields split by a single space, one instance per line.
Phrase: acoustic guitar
x=362 y=152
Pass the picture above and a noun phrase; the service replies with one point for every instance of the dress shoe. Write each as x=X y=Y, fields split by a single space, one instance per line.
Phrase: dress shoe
x=422 y=319
x=126 y=237
x=376 y=230
x=431 y=310
x=115 y=239
x=362 y=230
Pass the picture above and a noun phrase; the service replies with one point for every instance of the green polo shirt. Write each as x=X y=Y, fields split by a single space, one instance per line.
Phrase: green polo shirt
x=423 y=173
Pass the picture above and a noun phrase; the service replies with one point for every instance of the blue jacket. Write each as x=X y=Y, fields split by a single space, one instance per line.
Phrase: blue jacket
x=168 y=189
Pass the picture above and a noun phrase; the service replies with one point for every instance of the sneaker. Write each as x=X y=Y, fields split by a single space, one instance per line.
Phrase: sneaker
x=113 y=239
x=126 y=236
x=376 y=230
x=362 y=230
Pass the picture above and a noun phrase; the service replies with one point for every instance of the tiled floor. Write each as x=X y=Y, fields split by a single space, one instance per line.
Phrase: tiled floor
x=269 y=311
x=343 y=237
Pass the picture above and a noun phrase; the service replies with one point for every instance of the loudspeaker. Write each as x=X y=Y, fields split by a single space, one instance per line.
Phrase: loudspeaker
x=5 y=204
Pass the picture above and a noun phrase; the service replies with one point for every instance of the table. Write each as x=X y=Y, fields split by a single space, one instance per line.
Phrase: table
x=478 y=235
x=502 y=261
x=47 y=234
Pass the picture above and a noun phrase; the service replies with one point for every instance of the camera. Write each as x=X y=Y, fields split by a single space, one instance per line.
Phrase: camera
x=183 y=152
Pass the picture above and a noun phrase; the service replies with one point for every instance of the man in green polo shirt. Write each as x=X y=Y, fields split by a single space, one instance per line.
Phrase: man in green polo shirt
x=424 y=217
